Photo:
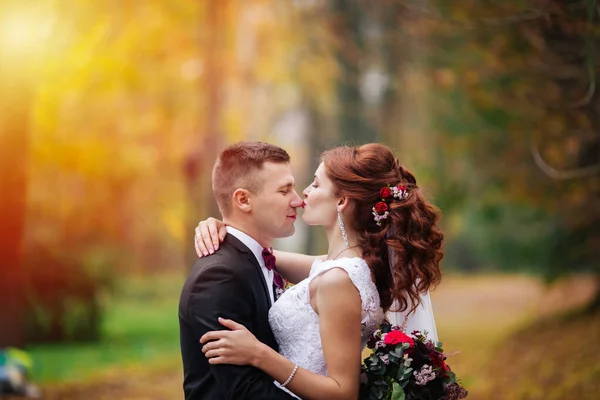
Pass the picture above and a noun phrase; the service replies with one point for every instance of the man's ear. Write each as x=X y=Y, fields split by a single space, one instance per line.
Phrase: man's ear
x=241 y=200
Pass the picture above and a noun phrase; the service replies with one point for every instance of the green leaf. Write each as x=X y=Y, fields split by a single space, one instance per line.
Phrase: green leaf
x=398 y=352
x=383 y=369
x=397 y=392
x=451 y=376
x=400 y=371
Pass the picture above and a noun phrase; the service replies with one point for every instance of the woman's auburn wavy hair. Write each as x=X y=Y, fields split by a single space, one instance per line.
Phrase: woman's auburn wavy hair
x=411 y=230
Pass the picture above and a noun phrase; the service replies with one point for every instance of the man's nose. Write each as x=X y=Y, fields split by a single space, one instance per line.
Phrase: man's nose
x=297 y=201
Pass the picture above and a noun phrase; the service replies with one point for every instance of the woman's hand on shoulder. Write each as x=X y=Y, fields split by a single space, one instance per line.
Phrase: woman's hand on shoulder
x=209 y=234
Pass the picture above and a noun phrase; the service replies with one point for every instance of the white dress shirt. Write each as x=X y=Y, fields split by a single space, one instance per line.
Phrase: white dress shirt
x=256 y=249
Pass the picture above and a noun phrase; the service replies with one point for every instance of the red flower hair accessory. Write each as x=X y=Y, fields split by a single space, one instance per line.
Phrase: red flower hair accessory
x=387 y=194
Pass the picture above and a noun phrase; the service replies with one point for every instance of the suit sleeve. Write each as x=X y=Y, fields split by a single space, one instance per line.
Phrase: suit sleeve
x=220 y=291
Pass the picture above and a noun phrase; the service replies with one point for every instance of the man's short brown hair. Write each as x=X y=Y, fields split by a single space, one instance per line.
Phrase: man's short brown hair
x=237 y=167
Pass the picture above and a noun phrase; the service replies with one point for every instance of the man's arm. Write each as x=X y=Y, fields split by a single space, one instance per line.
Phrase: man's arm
x=221 y=292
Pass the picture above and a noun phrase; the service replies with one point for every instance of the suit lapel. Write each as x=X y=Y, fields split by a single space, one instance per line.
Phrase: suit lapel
x=252 y=259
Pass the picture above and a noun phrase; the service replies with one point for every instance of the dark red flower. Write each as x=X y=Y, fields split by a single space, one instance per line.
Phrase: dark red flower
x=395 y=337
x=381 y=207
x=438 y=361
x=385 y=193
x=402 y=188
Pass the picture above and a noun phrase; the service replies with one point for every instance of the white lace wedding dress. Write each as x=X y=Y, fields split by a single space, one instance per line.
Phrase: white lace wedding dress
x=295 y=324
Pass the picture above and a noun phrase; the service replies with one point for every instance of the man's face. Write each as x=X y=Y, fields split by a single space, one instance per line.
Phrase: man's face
x=274 y=206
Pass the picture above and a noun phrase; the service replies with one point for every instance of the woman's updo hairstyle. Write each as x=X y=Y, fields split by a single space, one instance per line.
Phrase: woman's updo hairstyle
x=410 y=229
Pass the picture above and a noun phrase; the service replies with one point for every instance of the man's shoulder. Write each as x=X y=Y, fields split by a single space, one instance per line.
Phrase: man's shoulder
x=213 y=271
x=213 y=263
x=225 y=260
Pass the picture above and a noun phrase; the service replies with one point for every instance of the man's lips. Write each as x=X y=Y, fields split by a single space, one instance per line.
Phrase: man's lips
x=292 y=216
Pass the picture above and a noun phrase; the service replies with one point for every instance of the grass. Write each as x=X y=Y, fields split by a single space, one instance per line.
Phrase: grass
x=140 y=326
x=514 y=340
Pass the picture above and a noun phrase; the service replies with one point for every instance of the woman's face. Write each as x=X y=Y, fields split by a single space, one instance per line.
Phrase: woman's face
x=320 y=203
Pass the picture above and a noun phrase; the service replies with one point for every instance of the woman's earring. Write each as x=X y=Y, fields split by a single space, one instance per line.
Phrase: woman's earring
x=342 y=228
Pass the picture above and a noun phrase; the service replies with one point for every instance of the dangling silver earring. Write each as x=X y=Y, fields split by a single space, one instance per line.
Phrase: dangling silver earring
x=342 y=228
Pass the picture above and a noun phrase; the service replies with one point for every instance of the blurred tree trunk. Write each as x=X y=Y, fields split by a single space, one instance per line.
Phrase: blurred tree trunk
x=14 y=130
x=317 y=143
x=198 y=168
x=346 y=27
x=396 y=49
x=580 y=101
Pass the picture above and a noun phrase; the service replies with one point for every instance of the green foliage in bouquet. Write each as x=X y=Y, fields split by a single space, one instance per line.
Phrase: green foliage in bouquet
x=403 y=367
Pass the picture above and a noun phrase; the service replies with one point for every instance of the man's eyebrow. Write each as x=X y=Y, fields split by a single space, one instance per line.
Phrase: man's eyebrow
x=287 y=185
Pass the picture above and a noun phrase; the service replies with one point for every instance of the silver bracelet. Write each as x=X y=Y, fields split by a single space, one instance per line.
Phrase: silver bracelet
x=291 y=376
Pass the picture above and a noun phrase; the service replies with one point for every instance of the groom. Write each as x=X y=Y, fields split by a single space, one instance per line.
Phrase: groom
x=254 y=188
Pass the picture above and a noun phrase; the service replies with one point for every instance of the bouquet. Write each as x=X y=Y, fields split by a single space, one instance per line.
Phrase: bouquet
x=403 y=367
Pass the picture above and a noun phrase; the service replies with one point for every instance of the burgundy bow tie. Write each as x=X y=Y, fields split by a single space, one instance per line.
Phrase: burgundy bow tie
x=270 y=265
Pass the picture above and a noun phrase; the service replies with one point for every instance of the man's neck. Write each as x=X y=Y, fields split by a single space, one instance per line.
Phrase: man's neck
x=249 y=229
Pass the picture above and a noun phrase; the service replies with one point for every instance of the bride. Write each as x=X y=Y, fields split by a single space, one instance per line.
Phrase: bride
x=383 y=258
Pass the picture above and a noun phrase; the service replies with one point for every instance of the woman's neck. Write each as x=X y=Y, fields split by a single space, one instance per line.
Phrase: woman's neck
x=338 y=247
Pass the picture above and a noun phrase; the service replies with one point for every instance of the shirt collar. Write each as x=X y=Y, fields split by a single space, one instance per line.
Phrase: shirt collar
x=249 y=242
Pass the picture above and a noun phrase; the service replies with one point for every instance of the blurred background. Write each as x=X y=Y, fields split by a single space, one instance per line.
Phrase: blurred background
x=112 y=114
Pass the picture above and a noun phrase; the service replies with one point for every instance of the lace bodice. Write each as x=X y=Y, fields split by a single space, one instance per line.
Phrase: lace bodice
x=296 y=325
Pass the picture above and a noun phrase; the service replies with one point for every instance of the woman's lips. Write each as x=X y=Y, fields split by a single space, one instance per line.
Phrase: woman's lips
x=303 y=204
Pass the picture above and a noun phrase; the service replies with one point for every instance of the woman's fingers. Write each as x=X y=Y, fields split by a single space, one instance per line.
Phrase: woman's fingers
x=217 y=360
x=201 y=248
x=215 y=344
x=213 y=335
x=222 y=232
x=209 y=234
x=234 y=326
x=205 y=233
x=213 y=232
x=216 y=335
x=228 y=347
x=214 y=353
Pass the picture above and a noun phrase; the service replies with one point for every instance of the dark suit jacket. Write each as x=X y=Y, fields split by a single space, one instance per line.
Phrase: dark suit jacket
x=228 y=284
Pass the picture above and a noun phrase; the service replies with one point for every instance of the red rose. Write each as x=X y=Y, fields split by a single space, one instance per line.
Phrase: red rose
x=385 y=193
x=381 y=207
x=401 y=188
x=437 y=361
x=395 y=337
